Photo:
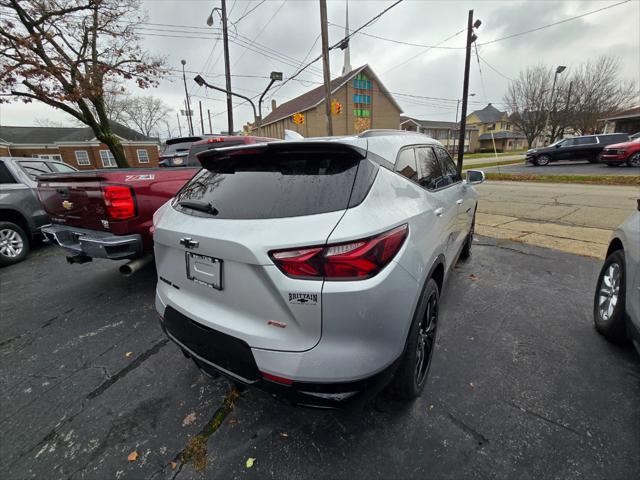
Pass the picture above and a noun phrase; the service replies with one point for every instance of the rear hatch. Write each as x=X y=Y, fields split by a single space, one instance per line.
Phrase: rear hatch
x=176 y=151
x=73 y=199
x=212 y=243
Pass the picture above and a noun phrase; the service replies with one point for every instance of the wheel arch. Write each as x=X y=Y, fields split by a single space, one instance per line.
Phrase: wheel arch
x=13 y=216
x=616 y=244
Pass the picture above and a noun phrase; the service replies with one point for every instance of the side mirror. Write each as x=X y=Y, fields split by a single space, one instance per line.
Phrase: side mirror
x=559 y=145
x=475 y=177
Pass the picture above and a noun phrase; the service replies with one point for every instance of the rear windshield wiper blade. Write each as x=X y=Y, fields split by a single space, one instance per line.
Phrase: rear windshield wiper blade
x=199 y=206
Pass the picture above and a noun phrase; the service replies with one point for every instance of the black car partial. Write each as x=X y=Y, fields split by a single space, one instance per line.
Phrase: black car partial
x=587 y=147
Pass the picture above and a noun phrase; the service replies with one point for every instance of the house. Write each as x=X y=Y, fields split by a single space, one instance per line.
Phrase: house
x=494 y=127
x=447 y=133
x=77 y=146
x=364 y=103
x=627 y=121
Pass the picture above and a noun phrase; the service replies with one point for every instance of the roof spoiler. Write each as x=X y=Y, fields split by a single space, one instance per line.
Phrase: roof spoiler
x=291 y=136
x=209 y=158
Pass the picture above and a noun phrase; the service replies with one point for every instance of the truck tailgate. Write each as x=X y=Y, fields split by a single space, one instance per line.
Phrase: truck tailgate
x=74 y=199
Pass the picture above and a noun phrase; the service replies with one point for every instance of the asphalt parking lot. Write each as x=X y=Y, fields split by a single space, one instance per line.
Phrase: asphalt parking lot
x=521 y=386
x=565 y=168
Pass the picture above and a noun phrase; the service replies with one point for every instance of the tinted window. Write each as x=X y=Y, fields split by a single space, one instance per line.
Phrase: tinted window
x=569 y=142
x=61 y=167
x=196 y=148
x=272 y=185
x=449 y=169
x=179 y=147
x=429 y=172
x=5 y=174
x=406 y=164
x=585 y=140
x=33 y=169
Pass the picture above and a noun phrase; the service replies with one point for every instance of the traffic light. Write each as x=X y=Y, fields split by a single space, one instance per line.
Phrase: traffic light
x=336 y=107
x=298 y=118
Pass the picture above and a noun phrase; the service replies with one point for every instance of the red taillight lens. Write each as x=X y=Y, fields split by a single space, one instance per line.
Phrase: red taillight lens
x=277 y=379
x=355 y=260
x=120 y=202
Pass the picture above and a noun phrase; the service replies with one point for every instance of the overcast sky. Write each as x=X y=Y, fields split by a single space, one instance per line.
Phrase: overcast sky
x=291 y=28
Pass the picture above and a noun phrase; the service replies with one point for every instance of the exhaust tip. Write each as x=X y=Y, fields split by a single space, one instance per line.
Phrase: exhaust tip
x=125 y=270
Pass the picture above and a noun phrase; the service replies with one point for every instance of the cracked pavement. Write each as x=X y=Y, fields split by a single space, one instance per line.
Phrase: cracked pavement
x=568 y=217
x=521 y=386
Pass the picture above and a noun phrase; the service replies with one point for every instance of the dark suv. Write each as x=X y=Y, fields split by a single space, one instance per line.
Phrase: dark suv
x=588 y=147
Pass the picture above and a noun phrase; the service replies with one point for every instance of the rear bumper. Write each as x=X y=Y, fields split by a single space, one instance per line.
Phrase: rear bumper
x=217 y=353
x=93 y=243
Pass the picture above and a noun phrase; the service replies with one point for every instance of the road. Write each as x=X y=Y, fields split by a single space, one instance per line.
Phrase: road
x=566 y=168
x=521 y=386
x=569 y=217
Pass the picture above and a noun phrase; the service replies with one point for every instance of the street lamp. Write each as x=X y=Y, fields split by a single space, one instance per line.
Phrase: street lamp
x=559 y=70
x=186 y=94
x=457 y=107
x=275 y=77
x=203 y=83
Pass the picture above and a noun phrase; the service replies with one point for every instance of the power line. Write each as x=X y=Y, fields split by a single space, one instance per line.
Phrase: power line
x=492 y=67
x=246 y=14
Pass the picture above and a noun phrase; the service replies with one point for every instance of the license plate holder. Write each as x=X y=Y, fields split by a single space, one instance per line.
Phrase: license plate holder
x=204 y=270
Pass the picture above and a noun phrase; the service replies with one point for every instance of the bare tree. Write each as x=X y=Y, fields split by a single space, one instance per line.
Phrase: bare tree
x=47 y=122
x=528 y=98
x=145 y=113
x=65 y=52
x=597 y=91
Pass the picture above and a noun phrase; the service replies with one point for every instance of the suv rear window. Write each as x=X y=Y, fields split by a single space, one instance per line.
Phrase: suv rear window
x=196 y=148
x=180 y=146
x=272 y=185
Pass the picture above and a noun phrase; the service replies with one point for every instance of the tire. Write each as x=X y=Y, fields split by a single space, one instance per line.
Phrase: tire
x=412 y=373
x=14 y=244
x=609 y=300
x=634 y=160
x=468 y=243
x=543 y=160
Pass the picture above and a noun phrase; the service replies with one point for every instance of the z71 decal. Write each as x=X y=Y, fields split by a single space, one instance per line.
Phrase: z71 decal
x=136 y=178
x=303 y=298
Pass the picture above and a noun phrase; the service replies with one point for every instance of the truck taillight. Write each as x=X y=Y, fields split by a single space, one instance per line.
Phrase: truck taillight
x=356 y=260
x=120 y=202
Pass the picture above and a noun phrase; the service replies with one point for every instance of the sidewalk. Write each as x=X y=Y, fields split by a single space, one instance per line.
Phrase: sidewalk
x=572 y=218
x=506 y=158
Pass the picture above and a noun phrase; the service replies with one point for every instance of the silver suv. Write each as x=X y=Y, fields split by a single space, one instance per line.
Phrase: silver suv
x=313 y=269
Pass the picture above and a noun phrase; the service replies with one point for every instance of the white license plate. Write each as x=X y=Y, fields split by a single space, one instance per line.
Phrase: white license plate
x=204 y=270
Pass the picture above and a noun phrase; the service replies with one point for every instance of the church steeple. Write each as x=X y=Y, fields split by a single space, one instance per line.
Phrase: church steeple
x=346 y=68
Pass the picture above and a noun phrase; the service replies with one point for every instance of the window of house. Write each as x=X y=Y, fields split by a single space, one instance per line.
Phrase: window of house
x=143 y=156
x=406 y=164
x=52 y=156
x=362 y=96
x=82 y=157
x=430 y=174
x=491 y=127
x=107 y=158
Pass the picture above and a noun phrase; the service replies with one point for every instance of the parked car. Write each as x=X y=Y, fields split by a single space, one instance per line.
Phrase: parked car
x=588 y=147
x=621 y=153
x=180 y=152
x=21 y=215
x=616 y=305
x=634 y=136
x=107 y=213
x=313 y=269
x=176 y=151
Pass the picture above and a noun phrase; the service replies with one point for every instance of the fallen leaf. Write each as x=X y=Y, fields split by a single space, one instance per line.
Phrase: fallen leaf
x=250 y=462
x=232 y=421
x=173 y=465
x=284 y=434
x=189 y=419
x=473 y=277
x=472 y=385
x=128 y=354
x=133 y=456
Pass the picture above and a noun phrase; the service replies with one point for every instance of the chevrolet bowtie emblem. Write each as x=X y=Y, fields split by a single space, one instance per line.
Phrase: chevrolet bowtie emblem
x=67 y=205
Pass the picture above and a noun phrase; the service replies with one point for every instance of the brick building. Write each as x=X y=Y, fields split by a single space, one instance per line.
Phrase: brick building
x=77 y=147
x=366 y=104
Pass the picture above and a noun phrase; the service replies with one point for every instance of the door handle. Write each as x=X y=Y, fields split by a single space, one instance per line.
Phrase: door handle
x=438 y=212
x=459 y=202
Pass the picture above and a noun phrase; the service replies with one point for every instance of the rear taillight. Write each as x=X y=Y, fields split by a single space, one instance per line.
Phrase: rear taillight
x=120 y=202
x=355 y=260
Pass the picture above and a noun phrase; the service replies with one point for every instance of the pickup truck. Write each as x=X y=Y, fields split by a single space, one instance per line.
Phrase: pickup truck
x=21 y=215
x=108 y=213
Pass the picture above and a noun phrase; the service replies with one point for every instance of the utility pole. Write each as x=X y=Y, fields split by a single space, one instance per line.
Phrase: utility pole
x=227 y=69
x=209 y=115
x=179 y=127
x=186 y=95
x=325 y=65
x=465 y=92
x=201 y=121
x=566 y=110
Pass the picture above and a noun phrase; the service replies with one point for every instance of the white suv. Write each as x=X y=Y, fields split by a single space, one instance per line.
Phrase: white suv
x=313 y=269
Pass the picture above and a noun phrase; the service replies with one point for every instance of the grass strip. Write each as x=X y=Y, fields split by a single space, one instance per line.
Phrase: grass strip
x=633 y=180
x=492 y=155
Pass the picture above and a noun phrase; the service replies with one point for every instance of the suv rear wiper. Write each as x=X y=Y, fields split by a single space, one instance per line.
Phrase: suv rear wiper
x=199 y=206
